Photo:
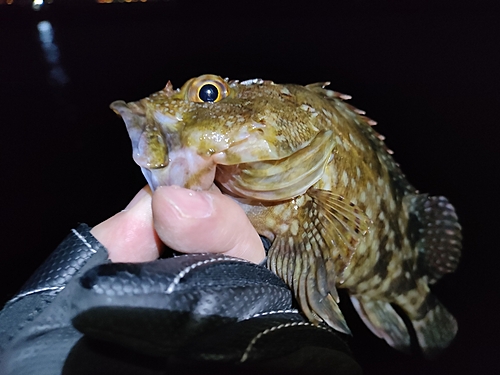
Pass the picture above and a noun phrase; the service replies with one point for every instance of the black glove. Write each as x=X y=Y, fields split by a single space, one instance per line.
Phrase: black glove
x=188 y=314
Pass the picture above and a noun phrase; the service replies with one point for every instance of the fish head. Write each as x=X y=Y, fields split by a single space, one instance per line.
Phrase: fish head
x=184 y=136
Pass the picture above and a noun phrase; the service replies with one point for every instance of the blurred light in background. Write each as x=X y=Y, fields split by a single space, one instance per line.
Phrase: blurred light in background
x=51 y=52
x=121 y=1
x=41 y=4
x=37 y=4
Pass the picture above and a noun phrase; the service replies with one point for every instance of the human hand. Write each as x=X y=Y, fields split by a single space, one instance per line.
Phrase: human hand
x=184 y=220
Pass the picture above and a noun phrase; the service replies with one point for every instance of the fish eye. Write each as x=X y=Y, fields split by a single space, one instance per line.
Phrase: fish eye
x=207 y=89
x=208 y=93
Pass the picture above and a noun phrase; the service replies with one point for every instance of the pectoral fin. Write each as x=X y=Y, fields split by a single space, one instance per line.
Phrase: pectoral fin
x=341 y=223
x=311 y=258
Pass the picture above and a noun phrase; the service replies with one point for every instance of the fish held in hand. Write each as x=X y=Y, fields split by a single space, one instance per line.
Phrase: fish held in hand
x=315 y=178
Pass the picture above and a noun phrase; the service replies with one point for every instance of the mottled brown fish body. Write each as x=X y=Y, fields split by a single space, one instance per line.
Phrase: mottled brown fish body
x=315 y=178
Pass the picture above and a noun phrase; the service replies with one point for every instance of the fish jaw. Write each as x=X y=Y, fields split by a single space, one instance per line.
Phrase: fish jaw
x=157 y=149
x=149 y=146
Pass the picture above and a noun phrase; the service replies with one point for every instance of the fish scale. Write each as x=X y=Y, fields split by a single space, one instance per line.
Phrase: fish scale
x=315 y=178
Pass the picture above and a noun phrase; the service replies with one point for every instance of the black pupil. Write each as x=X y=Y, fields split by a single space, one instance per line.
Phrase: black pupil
x=209 y=93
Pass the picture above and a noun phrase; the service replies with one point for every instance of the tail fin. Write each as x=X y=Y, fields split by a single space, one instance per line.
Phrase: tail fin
x=436 y=234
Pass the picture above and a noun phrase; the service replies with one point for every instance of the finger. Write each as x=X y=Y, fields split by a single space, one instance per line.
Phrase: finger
x=129 y=236
x=204 y=221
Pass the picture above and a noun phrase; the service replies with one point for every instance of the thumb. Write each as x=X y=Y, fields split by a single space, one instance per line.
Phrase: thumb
x=204 y=221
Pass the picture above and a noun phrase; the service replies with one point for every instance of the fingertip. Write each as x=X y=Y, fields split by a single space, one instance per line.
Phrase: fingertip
x=146 y=190
x=129 y=236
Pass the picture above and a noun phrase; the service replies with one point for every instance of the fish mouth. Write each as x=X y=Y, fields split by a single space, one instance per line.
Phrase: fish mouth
x=148 y=144
x=158 y=150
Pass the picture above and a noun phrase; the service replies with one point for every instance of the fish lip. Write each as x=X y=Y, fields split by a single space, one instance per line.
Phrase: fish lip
x=123 y=108
x=185 y=168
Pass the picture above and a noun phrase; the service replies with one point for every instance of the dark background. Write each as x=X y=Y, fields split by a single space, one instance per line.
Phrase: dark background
x=427 y=71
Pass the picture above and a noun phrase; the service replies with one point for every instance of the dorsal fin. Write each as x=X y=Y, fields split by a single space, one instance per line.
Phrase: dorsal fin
x=436 y=233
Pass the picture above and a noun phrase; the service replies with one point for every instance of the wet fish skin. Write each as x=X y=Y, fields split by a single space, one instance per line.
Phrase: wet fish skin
x=315 y=178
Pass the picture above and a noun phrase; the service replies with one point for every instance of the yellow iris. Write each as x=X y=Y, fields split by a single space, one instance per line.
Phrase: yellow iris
x=207 y=88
